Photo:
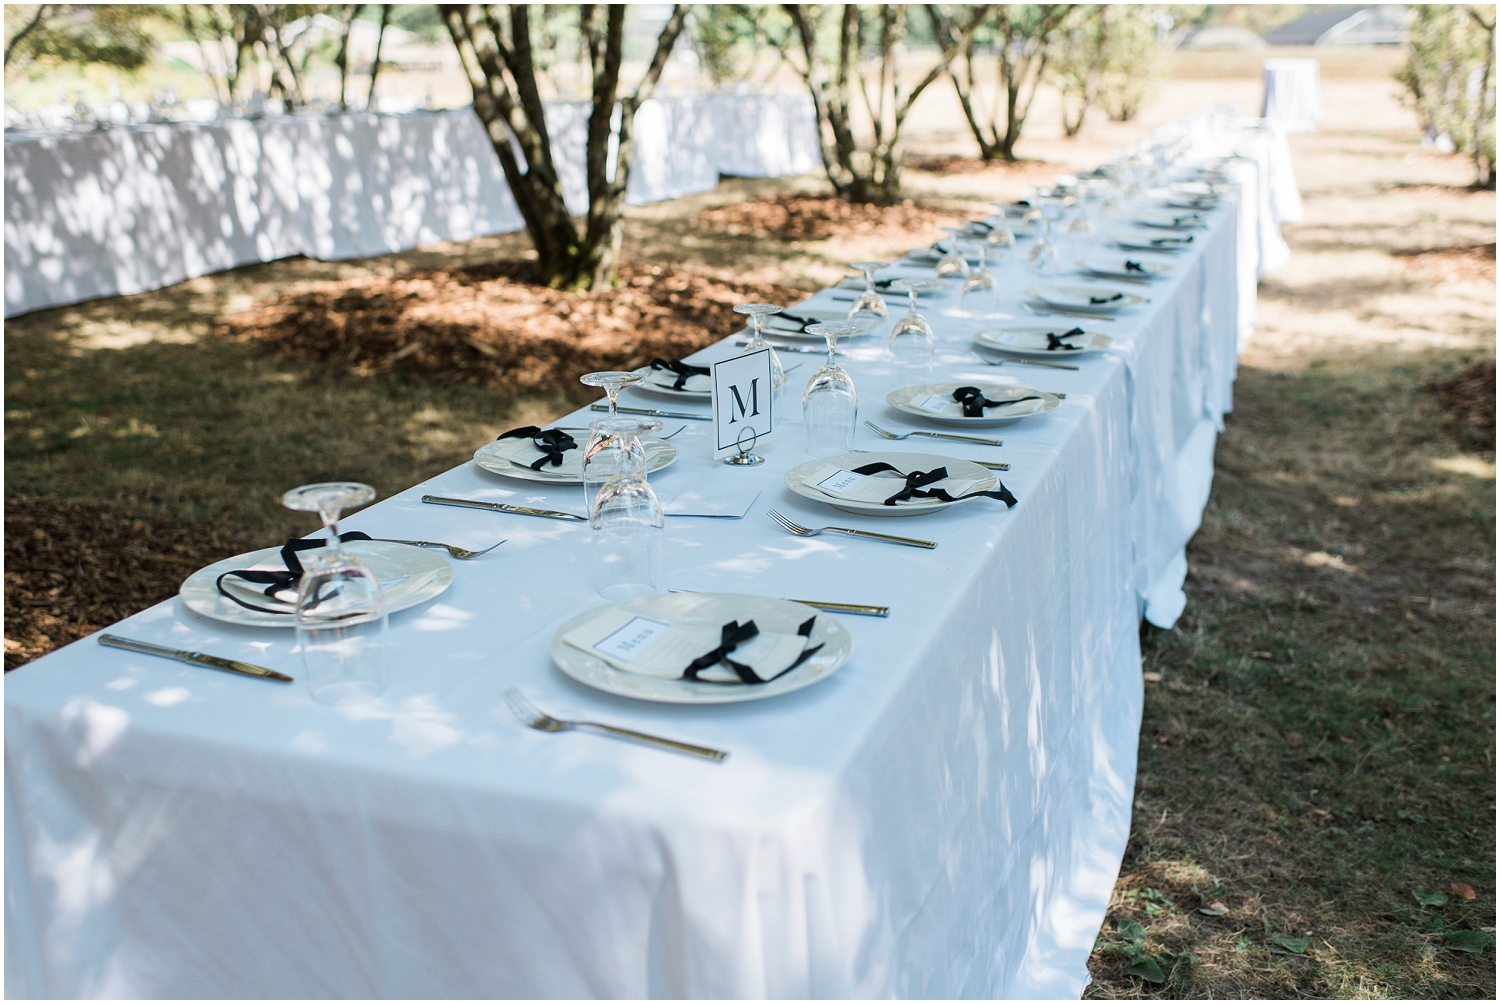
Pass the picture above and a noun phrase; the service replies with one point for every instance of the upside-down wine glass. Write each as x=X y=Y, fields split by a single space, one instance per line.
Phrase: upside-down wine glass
x=1001 y=239
x=911 y=342
x=612 y=382
x=980 y=288
x=613 y=448
x=830 y=403
x=869 y=307
x=1044 y=258
x=625 y=522
x=340 y=616
x=952 y=264
x=758 y=313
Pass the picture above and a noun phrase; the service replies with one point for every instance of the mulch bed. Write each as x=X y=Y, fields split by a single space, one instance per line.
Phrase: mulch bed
x=72 y=568
x=1469 y=399
x=497 y=325
x=817 y=218
x=948 y=164
x=1453 y=264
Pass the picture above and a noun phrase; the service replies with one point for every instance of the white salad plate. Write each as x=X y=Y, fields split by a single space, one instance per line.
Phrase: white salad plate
x=1085 y=298
x=414 y=574
x=934 y=401
x=513 y=458
x=697 y=388
x=708 y=610
x=796 y=480
x=1118 y=268
x=1033 y=341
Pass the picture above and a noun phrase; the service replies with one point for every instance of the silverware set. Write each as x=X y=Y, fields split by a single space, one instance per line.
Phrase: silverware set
x=533 y=717
x=461 y=553
x=982 y=441
x=808 y=531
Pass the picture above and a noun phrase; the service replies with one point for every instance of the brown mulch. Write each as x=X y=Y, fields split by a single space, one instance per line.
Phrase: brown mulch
x=495 y=325
x=1453 y=264
x=72 y=568
x=816 y=218
x=1469 y=399
x=948 y=165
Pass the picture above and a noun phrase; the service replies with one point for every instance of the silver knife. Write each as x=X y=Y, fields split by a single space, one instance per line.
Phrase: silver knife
x=654 y=413
x=194 y=658
x=863 y=609
x=807 y=350
x=519 y=510
x=1028 y=362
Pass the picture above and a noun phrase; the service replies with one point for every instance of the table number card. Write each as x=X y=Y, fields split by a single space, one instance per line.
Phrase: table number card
x=742 y=395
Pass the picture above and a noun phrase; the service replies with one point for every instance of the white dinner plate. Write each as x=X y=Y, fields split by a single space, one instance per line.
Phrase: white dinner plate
x=779 y=327
x=903 y=461
x=697 y=388
x=1176 y=221
x=711 y=610
x=416 y=575
x=508 y=457
x=914 y=401
x=1084 y=297
x=1033 y=341
x=1116 y=268
x=1152 y=241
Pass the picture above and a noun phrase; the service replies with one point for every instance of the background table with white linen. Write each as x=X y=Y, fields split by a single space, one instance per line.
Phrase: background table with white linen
x=943 y=817
x=1293 y=94
x=129 y=209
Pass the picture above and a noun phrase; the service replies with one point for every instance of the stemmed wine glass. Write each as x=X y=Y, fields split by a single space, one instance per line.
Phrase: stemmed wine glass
x=952 y=264
x=613 y=448
x=1044 y=259
x=980 y=288
x=626 y=519
x=911 y=343
x=340 y=617
x=612 y=381
x=830 y=403
x=1001 y=239
x=869 y=307
x=758 y=313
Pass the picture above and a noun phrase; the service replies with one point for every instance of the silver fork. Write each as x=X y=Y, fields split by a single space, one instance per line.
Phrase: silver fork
x=461 y=553
x=807 y=531
x=535 y=718
x=935 y=435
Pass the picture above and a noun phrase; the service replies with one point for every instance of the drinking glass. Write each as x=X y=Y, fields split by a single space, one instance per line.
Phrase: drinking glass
x=1001 y=239
x=612 y=381
x=869 y=307
x=981 y=290
x=1044 y=258
x=911 y=342
x=613 y=448
x=758 y=313
x=340 y=618
x=830 y=403
x=625 y=522
x=952 y=264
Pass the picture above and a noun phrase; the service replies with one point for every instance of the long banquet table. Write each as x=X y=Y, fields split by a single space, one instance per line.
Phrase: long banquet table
x=943 y=817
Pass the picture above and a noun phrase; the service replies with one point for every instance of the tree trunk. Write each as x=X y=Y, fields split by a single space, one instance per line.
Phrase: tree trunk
x=351 y=12
x=385 y=17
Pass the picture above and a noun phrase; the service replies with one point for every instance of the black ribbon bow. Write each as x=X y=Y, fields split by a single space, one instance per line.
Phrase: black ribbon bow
x=1173 y=240
x=974 y=402
x=275 y=580
x=917 y=481
x=1055 y=343
x=682 y=369
x=1134 y=266
x=731 y=636
x=553 y=442
x=1106 y=299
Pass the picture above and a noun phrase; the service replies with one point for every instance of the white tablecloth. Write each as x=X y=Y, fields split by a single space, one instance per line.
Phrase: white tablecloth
x=1293 y=95
x=131 y=209
x=943 y=817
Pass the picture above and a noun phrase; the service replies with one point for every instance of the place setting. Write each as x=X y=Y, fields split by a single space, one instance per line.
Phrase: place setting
x=1090 y=301
x=960 y=404
x=1123 y=269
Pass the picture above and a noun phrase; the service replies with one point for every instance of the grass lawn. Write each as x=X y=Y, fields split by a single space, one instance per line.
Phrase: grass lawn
x=1315 y=801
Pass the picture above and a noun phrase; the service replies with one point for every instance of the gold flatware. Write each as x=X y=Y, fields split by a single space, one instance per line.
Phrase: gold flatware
x=533 y=717
x=808 y=531
x=519 y=510
x=461 y=553
x=194 y=658
x=934 y=435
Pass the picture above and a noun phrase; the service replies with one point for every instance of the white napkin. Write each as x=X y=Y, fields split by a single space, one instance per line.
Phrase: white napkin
x=523 y=453
x=634 y=643
x=846 y=486
x=733 y=503
x=695 y=384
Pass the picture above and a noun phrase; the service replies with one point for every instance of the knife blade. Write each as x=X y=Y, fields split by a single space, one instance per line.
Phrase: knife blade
x=519 y=510
x=863 y=609
x=194 y=658
x=804 y=349
x=653 y=412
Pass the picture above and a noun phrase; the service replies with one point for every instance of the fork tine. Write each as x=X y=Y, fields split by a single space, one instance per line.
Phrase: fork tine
x=800 y=531
x=521 y=707
x=487 y=550
x=881 y=432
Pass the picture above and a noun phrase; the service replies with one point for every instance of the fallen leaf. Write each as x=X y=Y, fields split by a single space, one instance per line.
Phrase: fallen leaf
x=1151 y=677
x=1319 y=815
x=1147 y=969
x=1424 y=898
x=1462 y=890
x=1130 y=930
x=1294 y=946
x=1214 y=910
x=1466 y=941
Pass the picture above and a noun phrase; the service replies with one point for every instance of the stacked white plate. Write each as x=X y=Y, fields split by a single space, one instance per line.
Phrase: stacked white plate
x=1119 y=268
x=963 y=477
x=1089 y=299
x=934 y=401
x=514 y=457
x=1033 y=342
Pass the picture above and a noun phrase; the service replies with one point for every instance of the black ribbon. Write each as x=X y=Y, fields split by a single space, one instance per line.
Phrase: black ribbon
x=682 y=369
x=917 y=481
x=974 y=402
x=553 y=442
x=1106 y=299
x=274 y=580
x=1055 y=343
x=1173 y=240
x=731 y=636
x=1134 y=266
